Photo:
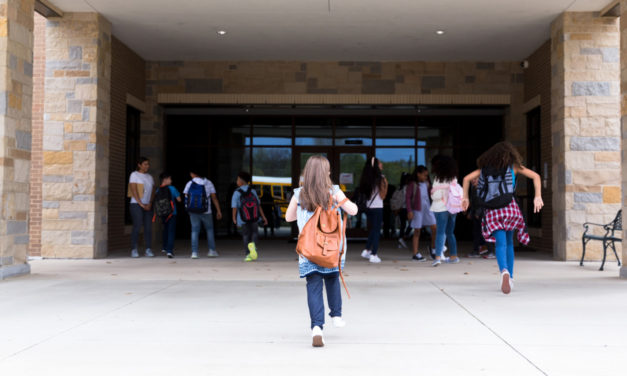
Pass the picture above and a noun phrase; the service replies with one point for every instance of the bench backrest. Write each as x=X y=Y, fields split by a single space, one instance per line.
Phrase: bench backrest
x=617 y=223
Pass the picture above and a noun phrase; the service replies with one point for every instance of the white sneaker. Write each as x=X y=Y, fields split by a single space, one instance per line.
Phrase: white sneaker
x=375 y=259
x=212 y=253
x=511 y=283
x=194 y=255
x=149 y=253
x=505 y=282
x=316 y=336
x=338 y=322
x=164 y=251
x=134 y=253
x=366 y=253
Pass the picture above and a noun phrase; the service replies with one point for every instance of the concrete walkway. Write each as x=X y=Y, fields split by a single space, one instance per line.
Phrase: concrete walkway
x=222 y=316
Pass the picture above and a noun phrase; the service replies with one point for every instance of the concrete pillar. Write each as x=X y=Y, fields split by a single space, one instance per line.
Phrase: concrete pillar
x=76 y=136
x=623 y=70
x=585 y=126
x=16 y=89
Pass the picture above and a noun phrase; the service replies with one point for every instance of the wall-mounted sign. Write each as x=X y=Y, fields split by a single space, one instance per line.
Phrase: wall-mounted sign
x=346 y=178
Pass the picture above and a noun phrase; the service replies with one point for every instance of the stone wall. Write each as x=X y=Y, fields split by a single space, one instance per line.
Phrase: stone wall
x=76 y=136
x=585 y=127
x=538 y=83
x=16 y=89
x=281 y=77
x=128 y=76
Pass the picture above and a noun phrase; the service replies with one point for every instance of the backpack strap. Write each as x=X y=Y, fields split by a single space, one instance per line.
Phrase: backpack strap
x=343 y=250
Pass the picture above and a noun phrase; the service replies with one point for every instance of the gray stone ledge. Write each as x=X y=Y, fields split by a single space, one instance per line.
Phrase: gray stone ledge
x=14 y=270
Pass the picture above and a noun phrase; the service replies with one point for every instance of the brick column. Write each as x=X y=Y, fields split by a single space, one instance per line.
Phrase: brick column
x=76 y=136
x=585 y=126
x=16 y=89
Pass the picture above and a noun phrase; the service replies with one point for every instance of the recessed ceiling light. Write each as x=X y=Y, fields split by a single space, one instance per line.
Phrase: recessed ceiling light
x=440 y=32
x=221 y=32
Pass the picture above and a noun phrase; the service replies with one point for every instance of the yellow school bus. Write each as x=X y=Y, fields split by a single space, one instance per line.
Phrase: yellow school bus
x=279 y=188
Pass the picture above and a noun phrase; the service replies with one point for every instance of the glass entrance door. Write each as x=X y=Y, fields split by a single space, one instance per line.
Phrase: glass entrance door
x=348 y=164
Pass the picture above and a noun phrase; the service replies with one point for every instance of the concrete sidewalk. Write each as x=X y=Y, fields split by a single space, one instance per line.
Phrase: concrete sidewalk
x=222 y=316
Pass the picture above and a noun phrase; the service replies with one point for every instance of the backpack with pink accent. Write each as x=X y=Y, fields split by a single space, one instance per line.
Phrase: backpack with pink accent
x=455 y=197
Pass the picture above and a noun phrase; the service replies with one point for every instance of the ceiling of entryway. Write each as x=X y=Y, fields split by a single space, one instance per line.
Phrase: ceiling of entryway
x=361 y=30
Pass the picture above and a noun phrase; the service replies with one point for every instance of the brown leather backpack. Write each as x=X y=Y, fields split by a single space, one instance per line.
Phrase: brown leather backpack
x=322 y=239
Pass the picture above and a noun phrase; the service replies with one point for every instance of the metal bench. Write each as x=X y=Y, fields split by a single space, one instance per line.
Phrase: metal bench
x=608 y=239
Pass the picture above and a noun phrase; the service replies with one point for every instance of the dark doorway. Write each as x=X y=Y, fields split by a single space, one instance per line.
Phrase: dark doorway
x=275 y=147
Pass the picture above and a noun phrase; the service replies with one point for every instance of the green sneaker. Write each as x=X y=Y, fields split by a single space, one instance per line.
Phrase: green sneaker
x=253 y=251
x=248 y=258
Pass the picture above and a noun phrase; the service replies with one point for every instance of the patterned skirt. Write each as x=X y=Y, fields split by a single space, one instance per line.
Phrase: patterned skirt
x=509 y=218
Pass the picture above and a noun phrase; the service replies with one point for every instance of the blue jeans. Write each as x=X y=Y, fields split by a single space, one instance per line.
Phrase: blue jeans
x=375 y=219
x=505 y=250
x=316 y=301
x=169 y=233
x=207 y=221
x=141 y=218
x=445 y=223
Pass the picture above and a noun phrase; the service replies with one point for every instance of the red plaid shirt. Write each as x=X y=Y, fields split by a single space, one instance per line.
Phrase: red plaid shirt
x=508 y=218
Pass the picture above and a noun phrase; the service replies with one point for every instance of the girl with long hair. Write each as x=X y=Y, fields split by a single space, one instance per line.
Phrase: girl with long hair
x=445 y=172
x=498 y=224
x=419 y=208
x=374 y=187
x=314 y=191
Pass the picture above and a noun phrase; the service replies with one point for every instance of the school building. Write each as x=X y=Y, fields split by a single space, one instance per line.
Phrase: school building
x=87 y=87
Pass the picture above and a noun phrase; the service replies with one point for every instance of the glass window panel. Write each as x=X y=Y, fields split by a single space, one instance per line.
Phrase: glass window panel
x=424 y=155
x=272 y=131
x=314 y=131
x=353 y=132
x=437 y=132
x=395 y=162
x=272 y=174
x=229 y=130
x=273 y=162
x=351 y=165
x=396 y=131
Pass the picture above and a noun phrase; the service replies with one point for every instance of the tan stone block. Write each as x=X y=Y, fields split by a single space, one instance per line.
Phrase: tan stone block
x=56 y=169
x=609 y=210
x=612 y=195
x=65 y=224
x=596 y=177
x=607 y=156
x=57 y=157
x=57 y=191
x=579 y=160
x=76 y=206
x=56 y=237
x=50 y=213
x=607 y=110
x=84 y=127
x=85 y=160
x=583 y=188
x=75 y=252
x=75 y=145
x=86 y=92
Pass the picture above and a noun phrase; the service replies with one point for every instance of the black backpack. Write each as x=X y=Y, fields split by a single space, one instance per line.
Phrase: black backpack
x=248 y=205
x=163 y=204
x=362 y=201
x=495 y=189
